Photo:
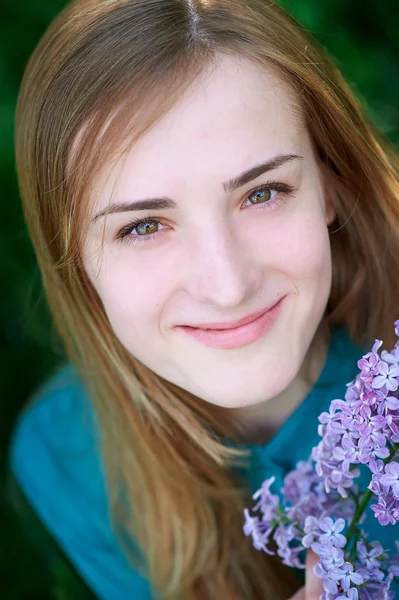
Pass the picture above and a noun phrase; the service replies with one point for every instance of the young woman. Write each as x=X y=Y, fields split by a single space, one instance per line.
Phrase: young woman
x=217 y=225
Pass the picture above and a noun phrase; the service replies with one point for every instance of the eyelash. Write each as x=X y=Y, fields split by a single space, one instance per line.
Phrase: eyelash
x=286 y=191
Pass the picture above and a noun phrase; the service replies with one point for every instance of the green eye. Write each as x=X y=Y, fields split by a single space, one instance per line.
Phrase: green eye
x=260 y=196
x=147 y=227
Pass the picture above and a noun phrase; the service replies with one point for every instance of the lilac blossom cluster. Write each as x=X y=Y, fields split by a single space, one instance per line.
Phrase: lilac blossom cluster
x=363 y=430
x=321 y=505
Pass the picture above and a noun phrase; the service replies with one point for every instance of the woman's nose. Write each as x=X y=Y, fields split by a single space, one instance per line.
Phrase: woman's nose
x=221 y=270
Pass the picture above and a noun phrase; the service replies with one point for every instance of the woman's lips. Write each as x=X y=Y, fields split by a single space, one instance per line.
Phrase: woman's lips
x=237 y=336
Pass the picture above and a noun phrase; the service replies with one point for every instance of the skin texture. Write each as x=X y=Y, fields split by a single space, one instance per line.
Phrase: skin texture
x=218 y=256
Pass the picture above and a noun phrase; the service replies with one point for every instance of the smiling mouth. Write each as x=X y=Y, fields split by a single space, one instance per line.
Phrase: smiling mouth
x=251 y=329
x=233 y=324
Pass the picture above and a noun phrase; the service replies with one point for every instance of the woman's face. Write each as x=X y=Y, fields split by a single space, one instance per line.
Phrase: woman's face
x=214 y=252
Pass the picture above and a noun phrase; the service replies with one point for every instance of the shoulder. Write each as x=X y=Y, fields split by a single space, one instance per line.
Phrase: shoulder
x=56 y=459
x=55 y=451
x=61 y=413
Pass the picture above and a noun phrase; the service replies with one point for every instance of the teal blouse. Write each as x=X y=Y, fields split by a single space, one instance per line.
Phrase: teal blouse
x=55 y=460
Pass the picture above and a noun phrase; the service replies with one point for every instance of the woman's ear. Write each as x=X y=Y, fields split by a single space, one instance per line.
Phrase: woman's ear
x=330 y=212
x=330 y=191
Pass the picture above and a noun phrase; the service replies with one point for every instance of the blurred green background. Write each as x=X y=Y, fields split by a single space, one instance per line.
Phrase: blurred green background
x=363 y=37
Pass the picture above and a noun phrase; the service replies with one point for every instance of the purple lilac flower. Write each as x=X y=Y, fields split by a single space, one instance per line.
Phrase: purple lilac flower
x=389 y=403
x=368 y=366
x=352 y=594
x=349 y=576
x=385 y=485
x=259 y=530
x=388 y=377
x=394 y=561
x=377 y=469
x=336 y=574
x=331 y=531
x=312 y=531
x=391 y=357
x=283 y=535
x=391 y=478
x=369 y=557
x=331 y=556
x=371 y=423
x=268 y=502
x=353 y=451
x=318 y=499
x=383 y=511
x=360 y=428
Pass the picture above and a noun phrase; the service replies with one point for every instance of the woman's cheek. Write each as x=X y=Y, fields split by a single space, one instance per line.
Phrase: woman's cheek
x=305 y=246
x=132 y=284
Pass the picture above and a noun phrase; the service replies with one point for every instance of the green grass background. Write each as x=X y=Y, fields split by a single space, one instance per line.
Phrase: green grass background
x=363 y=37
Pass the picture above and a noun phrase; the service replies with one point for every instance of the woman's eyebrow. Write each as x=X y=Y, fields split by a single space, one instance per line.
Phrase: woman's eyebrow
x=228 y=186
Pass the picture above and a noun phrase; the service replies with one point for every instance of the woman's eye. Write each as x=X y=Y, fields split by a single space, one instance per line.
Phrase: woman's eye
x=267 y=195
x=261 y=196
x=146 y=227
x=140 y=230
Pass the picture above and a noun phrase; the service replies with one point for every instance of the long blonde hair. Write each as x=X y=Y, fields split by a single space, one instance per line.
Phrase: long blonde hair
x=108 y=69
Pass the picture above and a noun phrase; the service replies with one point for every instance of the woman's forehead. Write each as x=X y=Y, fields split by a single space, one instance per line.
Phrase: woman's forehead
x=235 y=116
